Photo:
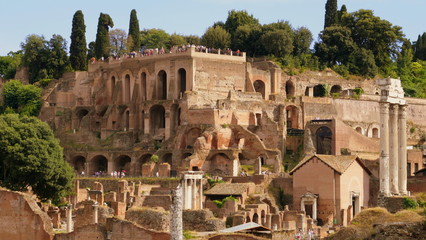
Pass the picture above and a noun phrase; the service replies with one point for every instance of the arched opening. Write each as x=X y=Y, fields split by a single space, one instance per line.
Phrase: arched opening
x=375 y=133
x=122 y=164
x=292 y=113
x=80 y=115
x=358 y=130
x=324 y=140
x=157 y=115
x=335 y=90
x=112 y=86
x=127 y=88
x=99 y=163
x=218 y=165
x=142 y=160
x=127 y=120
x=167 y=158
x=256 y=218
x=142 y=125
x=248 y=219
x=259 y=86
x=162 y=85
x=79 y=164
x=289 y=89
x=143 y=86
x=320 y=91
x=182 y=81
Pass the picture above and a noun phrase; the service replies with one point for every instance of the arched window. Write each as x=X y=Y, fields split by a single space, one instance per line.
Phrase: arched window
x=143 y=86
x=162 y=85
x=127 y=89
x=157 y=119
x=319 y=91
x=289 y=89
x=182 y=81
x=259 y=86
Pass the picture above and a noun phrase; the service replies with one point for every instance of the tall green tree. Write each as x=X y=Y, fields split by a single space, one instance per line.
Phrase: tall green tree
x=216 y=37
x=30 y=156
x=278 y=42
x=335 y=45
x=238 y=18
x=58 y=61
x=102 y=37
x=177 y=40
x=134 y=32
x=35 y=57
x=154 y=38
x=9 y=64
x=330 y=13
x=118 y=42
x=302 y=39
x=22 y=99
x=78 y=47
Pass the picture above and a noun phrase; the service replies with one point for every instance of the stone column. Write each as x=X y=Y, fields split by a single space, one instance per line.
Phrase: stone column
x=384 y=149
x=167 y=130
x=194 y=194
x=393 y=149
x=201 y=194
x=402 y=147
x=314 y=210
x=110 y=167
x=184 y=194
x=302 y=205
x=95 y=212
x=176 y=225
x=69 y=217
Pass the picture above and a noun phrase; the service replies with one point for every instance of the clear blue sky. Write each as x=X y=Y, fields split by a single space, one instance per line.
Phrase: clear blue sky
x=19 y=18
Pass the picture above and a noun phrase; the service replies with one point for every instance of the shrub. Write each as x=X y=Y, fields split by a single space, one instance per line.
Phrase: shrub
x=409 y=203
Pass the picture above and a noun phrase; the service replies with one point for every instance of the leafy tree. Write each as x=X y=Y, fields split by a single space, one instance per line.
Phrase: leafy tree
x=177 y=40
x=302 y=39
x=34 y=56
x=362 y=63
x=118 y=42
x=23 y=99
x=343 y=10
x=154 y=38
x=278 y=42
x=134 y=32
x=247 y=39
x=238 y=18
x=58 y=61
x=78 y=48
x=335 y=45
x=102 y=38
x=330 y=13
x=420 y=47
x=9 y=64
x=30 y=156
x=216 y=37
x=91 y=50
x=192 y=39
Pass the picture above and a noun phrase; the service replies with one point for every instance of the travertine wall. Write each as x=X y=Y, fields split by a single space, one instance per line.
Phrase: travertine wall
x=21 y=218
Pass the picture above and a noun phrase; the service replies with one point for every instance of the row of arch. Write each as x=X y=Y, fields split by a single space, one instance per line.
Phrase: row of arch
x=161 y=85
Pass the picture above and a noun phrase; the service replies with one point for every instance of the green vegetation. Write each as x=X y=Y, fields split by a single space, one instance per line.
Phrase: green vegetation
x=134 y=38
x=78 y=47
x=330 y=13
x=9 y=64
x=30 y=156
x=22 y=99
x=102 y=38
x=213 y=182
x=188 y=234
x=220 y=203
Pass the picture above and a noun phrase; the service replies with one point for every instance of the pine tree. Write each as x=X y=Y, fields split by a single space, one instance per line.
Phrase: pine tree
x=102 y=38
x=78 y=48
x=330 y=13
x=134 y=32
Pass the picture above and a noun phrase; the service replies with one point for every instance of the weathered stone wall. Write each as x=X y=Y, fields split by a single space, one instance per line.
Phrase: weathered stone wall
x=21 y=218
x=163 y=201
x=201 y=221
x=149 y=218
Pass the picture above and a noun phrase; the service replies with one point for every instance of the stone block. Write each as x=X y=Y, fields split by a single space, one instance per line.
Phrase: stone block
x=119 y=209
x=289 y=225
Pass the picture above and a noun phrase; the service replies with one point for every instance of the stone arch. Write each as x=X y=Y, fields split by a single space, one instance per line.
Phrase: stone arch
x=359 y=130
x=143 y=86
x=157 y=123
x=123 y=162
x=292 y=113
x=335 y=89
x=141 y=161
x=161 y=85
x=98 y=163
x=167 y=158
x=81 y=113
x=219 y=164
x=259 y=86
x=127 y=89
x=375 y=132
x=289 y=88
x=182 y=81
x=79 y=164
x=324 y=140
x=256 y=218
x=320 y=91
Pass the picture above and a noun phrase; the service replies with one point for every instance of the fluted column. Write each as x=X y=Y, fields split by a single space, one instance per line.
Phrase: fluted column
x=402 y=169
x=393 y=149
x=384 y=148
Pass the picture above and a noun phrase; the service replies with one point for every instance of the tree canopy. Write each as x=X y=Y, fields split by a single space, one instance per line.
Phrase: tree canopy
x=134 y=32
x=102 y=38
x=216 y=37
x=330 y=13
x=78 y=47
x=22 y=99
x=30 y=156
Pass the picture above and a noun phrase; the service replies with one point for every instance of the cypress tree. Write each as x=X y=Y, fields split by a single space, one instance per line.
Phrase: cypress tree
x=134 y=32
x=78 y=48
x=102 y=38
x=330 y=13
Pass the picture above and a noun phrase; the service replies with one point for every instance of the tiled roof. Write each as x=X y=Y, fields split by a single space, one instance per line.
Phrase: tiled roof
x=227 y=189
x=246 y=227
x=339 y=163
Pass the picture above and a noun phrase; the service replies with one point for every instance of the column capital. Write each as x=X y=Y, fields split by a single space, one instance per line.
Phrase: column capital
x=384 y=107
x=402 y=111
x=393 y=109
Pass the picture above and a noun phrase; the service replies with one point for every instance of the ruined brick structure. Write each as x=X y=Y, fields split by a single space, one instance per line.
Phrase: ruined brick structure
x=205 y=111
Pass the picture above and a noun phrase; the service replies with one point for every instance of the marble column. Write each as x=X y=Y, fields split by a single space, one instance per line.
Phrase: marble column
x=201 y=194
x=69 y=217
x=384 y=149
x=314 y=210
x=176 y=225
x=95 y=212
x=194 y=194
x=402 y=147
x=393 y=149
